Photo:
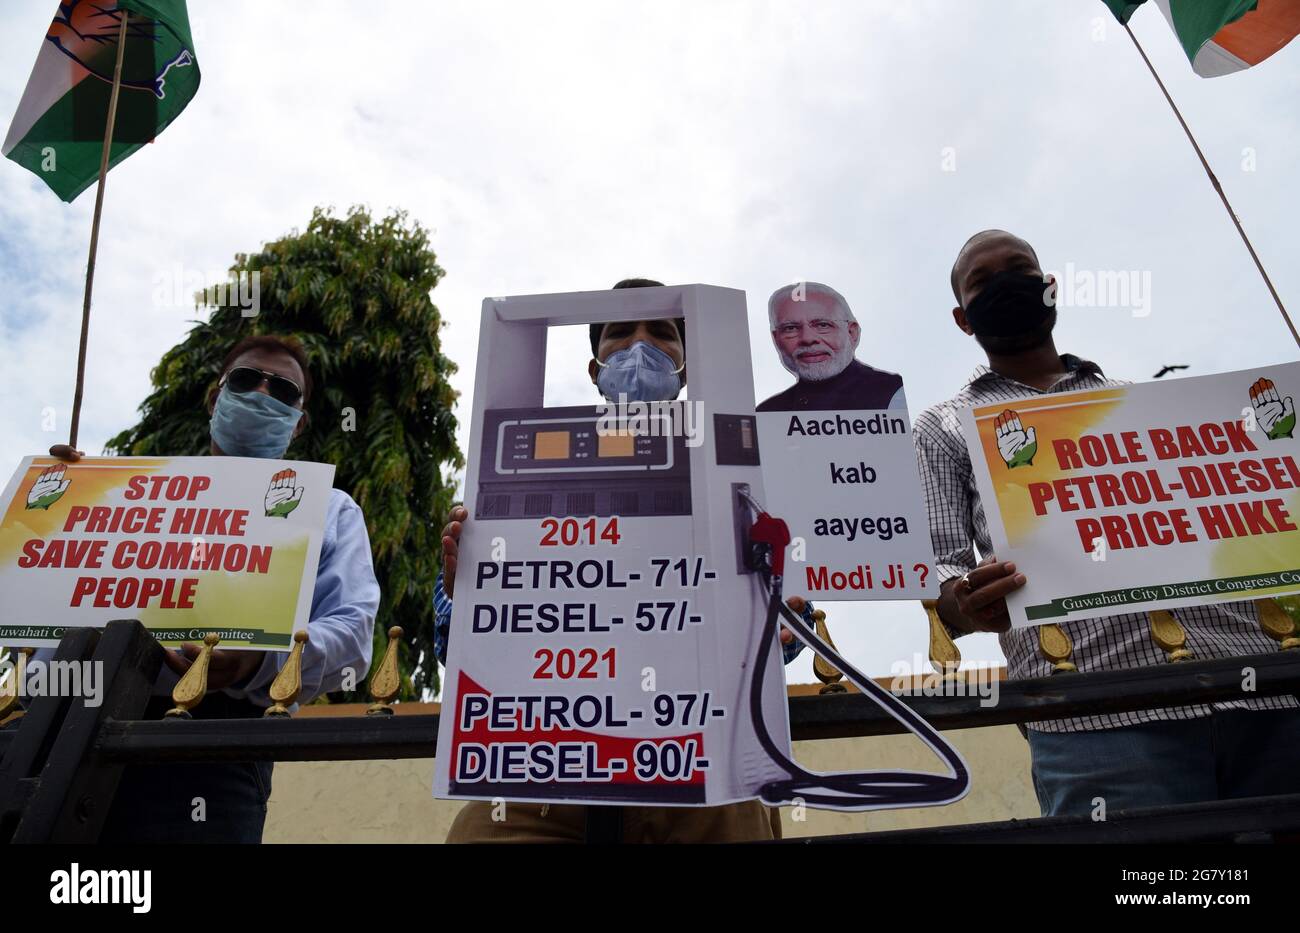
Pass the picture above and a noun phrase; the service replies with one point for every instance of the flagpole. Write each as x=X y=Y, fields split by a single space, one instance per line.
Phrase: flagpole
x=1217 y=187
x=69 y=451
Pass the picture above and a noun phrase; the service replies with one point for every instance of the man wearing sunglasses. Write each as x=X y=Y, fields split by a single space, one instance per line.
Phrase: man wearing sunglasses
x=816 y=337
x=256 y=409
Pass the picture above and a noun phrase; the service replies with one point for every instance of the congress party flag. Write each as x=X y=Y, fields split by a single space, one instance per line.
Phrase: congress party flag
x=58 y=130
x=1223 y=36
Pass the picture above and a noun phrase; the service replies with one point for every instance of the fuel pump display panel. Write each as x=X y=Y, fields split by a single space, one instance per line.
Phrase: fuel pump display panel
x=580 y=462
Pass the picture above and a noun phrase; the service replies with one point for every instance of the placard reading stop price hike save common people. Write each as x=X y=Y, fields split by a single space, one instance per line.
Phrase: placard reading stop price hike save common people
x=186 y=545
x=1144 y=497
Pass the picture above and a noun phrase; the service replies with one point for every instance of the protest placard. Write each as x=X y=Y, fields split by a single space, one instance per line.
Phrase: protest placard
x=1143 y=497
x=846 y=483
x=186 y=545
x=838 y=458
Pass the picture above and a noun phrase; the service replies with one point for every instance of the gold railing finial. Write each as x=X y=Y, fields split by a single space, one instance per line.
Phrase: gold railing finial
x=1277 y=624
x=826 y=672
x=1056 y=646
x=288 y=683
x=387 y=679
x=945 y=656
x=12 y=689
x=1169 y=635
x=190 y=689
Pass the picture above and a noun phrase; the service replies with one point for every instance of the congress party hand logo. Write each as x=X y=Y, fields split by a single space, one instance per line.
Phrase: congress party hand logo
x=48 y=489
x=1016 y=443
x=1273 y=413
x=282 y=496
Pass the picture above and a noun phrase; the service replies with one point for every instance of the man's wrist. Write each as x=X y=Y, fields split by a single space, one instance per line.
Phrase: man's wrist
x=953 y=619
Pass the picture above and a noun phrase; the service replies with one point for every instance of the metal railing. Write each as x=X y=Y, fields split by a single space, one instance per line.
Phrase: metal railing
x=60 y=767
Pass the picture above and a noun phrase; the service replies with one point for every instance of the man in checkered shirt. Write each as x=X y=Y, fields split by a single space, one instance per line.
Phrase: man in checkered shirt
x=1242 y=748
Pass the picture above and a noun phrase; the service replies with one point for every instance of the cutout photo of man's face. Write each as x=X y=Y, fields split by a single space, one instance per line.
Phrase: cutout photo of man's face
x=816 y=335
x=814 y=340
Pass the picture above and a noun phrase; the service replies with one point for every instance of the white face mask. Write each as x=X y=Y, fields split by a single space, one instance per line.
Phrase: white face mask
x=250 y=424
x=641 y=373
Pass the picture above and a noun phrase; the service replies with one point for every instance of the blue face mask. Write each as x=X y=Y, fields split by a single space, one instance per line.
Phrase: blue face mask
x=251 y=424
x=642 y=372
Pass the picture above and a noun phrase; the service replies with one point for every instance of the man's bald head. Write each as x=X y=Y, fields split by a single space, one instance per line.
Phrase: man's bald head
x=996 y=245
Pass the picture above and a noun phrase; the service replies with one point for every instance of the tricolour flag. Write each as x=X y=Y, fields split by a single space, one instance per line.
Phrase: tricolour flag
x=1223 y=36
x=58 y=131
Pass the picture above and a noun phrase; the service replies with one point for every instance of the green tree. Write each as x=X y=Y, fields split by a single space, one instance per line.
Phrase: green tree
x=356 y=293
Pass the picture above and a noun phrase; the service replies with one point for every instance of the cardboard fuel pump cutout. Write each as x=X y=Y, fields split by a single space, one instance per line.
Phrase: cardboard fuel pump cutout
x=614 y=632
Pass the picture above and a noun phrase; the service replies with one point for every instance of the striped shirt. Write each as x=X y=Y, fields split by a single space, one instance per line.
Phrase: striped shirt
x=960 y=534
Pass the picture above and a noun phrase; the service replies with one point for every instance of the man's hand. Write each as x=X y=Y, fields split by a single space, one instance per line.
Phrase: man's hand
x=48 y=489
x=283 y=495
x=980 y=597
x=225 y=668
x=451 y=546
x=66 y=452
x=797 y=604
x=1273 y=413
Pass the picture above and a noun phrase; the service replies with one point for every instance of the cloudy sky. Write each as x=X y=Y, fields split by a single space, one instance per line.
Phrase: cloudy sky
x=560 y=146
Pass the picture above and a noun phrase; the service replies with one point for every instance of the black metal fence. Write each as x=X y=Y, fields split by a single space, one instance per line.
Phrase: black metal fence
x=60 y=767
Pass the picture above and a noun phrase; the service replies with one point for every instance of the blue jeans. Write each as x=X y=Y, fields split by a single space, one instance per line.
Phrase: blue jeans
x=1228 y=754
x=156 y=803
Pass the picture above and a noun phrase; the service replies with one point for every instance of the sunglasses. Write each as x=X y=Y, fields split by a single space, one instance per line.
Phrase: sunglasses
x=243 y=379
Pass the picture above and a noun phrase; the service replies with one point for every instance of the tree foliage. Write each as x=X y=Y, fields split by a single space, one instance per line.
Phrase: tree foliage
x=356 y=293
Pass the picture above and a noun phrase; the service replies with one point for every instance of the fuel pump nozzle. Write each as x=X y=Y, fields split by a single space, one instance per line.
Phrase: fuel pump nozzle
x=769 y=537
x=773 y=534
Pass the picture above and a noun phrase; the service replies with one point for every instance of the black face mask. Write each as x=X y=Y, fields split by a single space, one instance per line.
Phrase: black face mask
x=1011 y=304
